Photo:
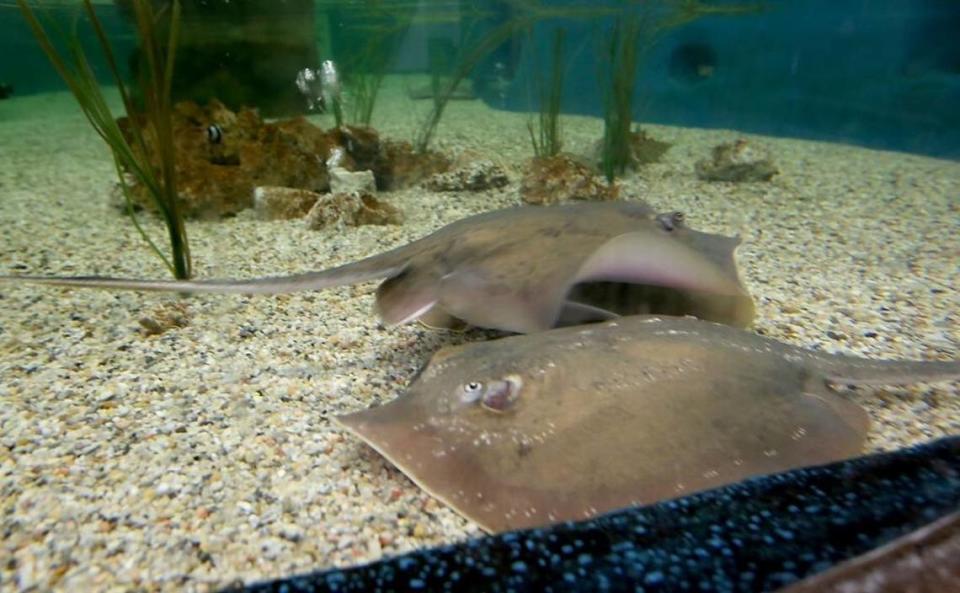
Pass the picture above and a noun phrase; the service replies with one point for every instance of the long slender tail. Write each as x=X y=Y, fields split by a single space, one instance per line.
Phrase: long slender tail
x=862 y=371
x=372 y=268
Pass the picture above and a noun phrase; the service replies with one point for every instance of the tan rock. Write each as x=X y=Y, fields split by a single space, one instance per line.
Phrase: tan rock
x=343 y=181
x=351 y=209
x=475 y=176
x=272 y=202
x=737 y=161
x=559 y=178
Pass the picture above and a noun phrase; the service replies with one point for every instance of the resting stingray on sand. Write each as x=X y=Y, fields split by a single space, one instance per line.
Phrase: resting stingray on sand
x=565 y=424
x=524 y=269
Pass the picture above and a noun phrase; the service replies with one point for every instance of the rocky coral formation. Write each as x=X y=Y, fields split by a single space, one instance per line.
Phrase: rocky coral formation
x=221 y=156
x=644 y=149
x=399 y=165
x=474 y=176
x=351 y=209
x=737 y=161
x=562 y=177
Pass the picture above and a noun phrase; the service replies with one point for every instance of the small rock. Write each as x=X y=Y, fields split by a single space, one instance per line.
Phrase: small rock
x=343 y=181
x=737 y=161
x=351 y=209
x=420 y=531
x=376 y=211
x=289 y=532
x=399 y=165
x=644 y=149
x=374 y=549
x=476 y=176
x=560 y=178
x=165 y=317
x=333 y=209
x=272 y=202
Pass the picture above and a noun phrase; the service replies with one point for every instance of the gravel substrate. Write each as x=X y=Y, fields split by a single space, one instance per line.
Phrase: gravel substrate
x=204 y=455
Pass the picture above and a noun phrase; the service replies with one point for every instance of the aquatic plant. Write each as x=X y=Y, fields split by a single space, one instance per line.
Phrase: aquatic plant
x=546 y=139
x=146 y=151
x=622 y=54
x=362 y=90
x=655 y=18
x=365 y=70
x=444 y=87
x=375 y=31
x=633 y=35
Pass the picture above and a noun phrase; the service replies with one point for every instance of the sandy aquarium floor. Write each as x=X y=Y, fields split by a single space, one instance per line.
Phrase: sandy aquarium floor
x=205 y=456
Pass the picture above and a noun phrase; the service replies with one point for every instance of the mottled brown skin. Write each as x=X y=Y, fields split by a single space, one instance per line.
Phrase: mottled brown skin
x=559 y=425
x=516 y=270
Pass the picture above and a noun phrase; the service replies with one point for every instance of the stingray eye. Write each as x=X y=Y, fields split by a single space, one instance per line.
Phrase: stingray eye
x=471 y=391
x=678 y=218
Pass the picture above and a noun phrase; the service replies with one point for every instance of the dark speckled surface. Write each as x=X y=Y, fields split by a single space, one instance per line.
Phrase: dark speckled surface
x=758 y=535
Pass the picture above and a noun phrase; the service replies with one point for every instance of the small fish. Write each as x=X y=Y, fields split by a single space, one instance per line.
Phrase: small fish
x=308 y=83
x=755 y=536
x=5 y=90
x=214 y=134
x=321 y=87
x=329 y=82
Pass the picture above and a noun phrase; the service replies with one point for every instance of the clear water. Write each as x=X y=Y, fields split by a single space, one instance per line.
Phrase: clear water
x=215 y=436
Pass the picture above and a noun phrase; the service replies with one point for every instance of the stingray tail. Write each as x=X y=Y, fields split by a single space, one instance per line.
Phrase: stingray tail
x=862 y=371
x=372 y=268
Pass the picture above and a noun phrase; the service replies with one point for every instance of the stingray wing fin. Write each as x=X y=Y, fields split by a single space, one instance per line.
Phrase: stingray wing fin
x=493 y=300
x=697 y=270
x=406 y=297
x=645 y=257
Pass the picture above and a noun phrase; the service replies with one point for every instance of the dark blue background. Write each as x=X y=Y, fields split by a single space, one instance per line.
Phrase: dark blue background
x=881 y=73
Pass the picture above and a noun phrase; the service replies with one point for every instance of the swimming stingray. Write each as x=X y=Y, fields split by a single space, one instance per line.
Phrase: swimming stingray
x=529 y=430
x=525 y=269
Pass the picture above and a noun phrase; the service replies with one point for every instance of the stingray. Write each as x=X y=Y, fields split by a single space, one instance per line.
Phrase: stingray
x=524 y=269
x=564 y=424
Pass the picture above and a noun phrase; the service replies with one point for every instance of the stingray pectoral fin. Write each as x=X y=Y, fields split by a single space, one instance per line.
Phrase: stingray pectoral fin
x=437 y=318
x=717 y=248
x=737 y=310
x=505 y=301
x=400 y=433
x=405 y=297
x=850 y=414
x=646 y=257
